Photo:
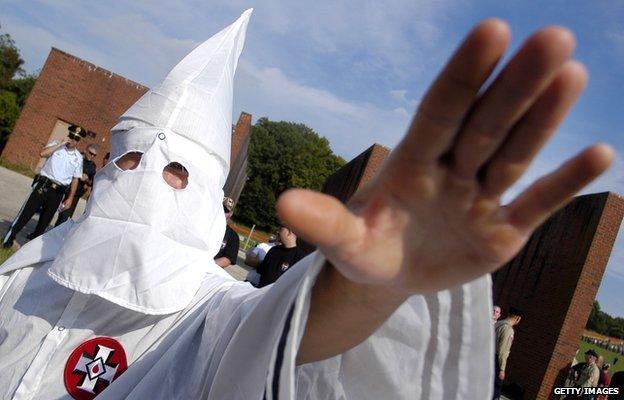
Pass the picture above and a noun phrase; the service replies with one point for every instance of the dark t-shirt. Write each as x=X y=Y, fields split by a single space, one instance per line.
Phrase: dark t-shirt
x=277 y=261
x=229 y=246
x=88 y=167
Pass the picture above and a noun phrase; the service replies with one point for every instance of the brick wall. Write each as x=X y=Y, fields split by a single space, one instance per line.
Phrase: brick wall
x=240 y=134
x=351 y=177
x=554 y=280
x=78 y=92
x=74 y=91
x=355 y=174
x=237 y=177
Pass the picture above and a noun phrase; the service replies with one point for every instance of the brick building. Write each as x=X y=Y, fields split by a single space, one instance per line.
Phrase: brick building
x=355 y=174
x=554 y=280
x=73 y=91
x=351 y=177
x=69 y=91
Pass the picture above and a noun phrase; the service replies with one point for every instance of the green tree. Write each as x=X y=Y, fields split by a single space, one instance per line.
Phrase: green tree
x=15 y=85
x=21 y=87
x=594 y=319
x=10 y=61
x=282 y=155
x=9 y=111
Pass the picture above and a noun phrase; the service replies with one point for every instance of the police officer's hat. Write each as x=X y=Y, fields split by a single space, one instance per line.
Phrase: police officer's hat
x=77 y=131
x=591 y=352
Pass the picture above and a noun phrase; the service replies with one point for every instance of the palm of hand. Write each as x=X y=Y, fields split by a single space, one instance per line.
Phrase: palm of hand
x=428 y=232
x=431 y=219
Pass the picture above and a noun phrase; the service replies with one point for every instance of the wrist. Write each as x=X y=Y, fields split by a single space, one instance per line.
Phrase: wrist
x=376 y=298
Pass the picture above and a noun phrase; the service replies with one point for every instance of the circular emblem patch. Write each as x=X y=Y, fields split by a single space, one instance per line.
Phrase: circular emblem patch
x=92 y=366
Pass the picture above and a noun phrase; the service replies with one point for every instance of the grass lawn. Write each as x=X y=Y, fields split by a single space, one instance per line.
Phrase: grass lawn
x=608 y=356
x=5 y=253
x=19 y=168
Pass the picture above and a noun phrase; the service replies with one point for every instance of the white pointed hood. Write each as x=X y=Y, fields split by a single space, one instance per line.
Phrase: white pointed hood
x=194 y=100
x=144 y=241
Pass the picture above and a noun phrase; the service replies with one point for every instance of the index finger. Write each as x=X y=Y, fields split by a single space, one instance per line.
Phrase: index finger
x=448 y=100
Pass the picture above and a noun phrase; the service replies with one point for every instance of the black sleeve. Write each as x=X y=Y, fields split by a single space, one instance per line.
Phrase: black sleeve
x=90 y=171
x=231 y=247
x=265 y=261
x=298 y=256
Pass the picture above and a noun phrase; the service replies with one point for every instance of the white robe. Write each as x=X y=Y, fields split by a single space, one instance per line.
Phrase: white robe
x=237 y=342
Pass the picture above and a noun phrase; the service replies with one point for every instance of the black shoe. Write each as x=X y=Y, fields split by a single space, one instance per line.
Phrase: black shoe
x=31 y=236
x=8 y=242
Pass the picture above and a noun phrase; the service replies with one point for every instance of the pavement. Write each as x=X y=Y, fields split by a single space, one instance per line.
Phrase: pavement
x=15 y=189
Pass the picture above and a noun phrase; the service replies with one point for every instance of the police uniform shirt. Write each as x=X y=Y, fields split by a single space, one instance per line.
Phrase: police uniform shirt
x=62 y=165
x=229 y=246
x=231 y=342
x=277 y=261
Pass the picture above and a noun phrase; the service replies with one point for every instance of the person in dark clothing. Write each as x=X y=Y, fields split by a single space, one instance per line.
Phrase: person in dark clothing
x=229 y=247
x=279 y=258
x=617 y=381
x=85 y=183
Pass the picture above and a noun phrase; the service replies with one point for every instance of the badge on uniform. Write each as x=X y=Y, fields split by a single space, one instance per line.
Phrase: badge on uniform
x=284 y=266
x=92 y=366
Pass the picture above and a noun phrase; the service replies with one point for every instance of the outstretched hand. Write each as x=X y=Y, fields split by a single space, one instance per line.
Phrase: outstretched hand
x=432 y=218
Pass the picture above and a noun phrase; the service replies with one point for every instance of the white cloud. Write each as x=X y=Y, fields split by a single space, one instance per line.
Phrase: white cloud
x=399 y=94
x=350 y=126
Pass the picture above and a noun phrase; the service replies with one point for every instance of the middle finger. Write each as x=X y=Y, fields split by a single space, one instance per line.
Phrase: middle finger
x=509 y=97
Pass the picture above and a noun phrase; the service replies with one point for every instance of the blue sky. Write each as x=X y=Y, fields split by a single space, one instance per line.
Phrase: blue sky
x=352 y=70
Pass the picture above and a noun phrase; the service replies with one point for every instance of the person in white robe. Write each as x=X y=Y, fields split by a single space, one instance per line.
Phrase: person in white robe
x=395 y=304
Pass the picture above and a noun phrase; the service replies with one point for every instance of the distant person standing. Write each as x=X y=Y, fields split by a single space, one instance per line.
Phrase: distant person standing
x=496 y=313
x=255 y=256
x=591 y=372
x=604 y=380
x=85 y=183
x=504 y=331
x=279 y=258
x=228 y=253
x=59 y=175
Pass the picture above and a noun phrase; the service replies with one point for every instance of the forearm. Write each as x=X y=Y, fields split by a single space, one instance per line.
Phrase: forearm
x=343 y=314
x=252 y=260
x=72 y=189
x=502 y=361
x=47 y=152
x=223 y=262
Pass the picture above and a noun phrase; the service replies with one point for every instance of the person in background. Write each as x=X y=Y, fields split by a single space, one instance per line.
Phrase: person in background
x=590 y=373
x=604 y=380
x=58 y=176
x=504 y=339
x=496 y=313
x=280 y=257
x=254 y=256
x=229 y=246
x=85 y=183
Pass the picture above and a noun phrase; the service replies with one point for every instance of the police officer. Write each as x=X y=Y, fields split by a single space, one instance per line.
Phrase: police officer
x=85 y=183
x=59 y=174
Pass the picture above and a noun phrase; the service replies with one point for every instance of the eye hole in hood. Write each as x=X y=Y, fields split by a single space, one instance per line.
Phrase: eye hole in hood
x=176 y=175
x=129 y=161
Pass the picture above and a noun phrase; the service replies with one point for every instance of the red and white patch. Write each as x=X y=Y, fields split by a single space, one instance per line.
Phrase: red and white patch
x=92 y=366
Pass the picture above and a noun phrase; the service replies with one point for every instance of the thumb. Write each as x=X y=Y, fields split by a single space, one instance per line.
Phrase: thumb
x=319 y=218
